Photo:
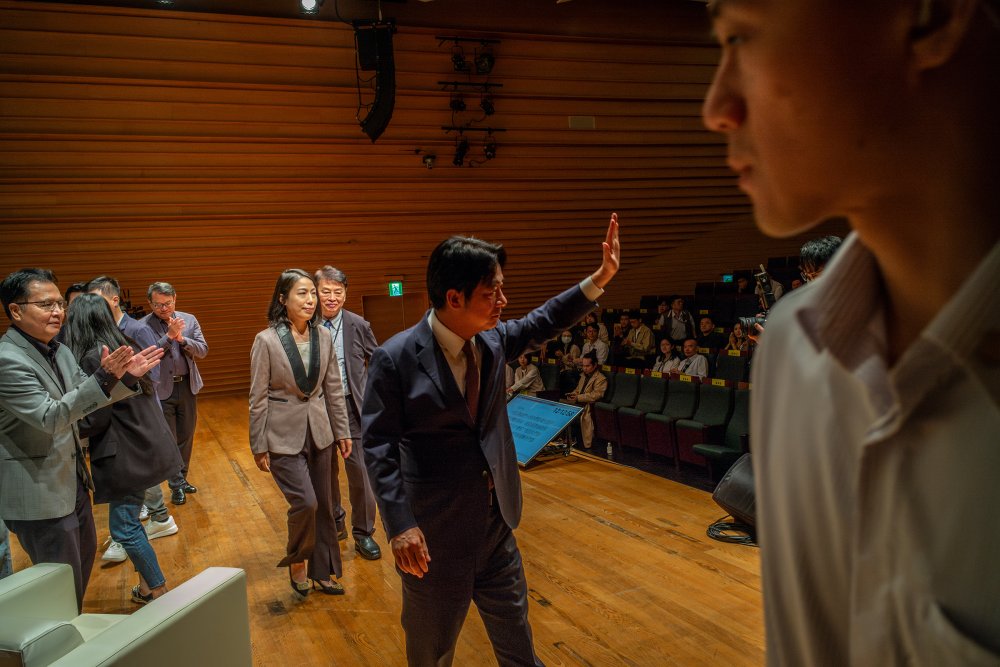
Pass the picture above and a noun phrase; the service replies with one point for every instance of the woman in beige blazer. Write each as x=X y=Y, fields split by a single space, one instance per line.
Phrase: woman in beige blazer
x=297 y=411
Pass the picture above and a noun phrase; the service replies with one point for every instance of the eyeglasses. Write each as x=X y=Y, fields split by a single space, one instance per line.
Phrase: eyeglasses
x=166 y=305
x=48 y=305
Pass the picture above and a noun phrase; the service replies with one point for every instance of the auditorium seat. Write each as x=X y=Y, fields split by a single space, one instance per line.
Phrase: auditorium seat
x=549 y=373
x=682 y=400
x=732 y=365
x=735 y=443
x=652 y=395
x=624 y=394
x=708 y=425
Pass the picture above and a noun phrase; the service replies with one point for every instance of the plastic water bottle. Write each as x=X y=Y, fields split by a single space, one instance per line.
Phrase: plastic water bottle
x=610 y=451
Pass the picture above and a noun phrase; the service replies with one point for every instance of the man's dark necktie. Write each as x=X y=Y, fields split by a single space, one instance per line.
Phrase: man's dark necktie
x=471 y=379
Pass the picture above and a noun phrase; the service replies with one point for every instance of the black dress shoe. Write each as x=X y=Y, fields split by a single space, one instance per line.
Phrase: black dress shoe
x=189 y=488
x=177 y=496
x=367 y=548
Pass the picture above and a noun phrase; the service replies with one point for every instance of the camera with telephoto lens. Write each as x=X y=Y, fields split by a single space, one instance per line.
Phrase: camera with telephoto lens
x=764 y=281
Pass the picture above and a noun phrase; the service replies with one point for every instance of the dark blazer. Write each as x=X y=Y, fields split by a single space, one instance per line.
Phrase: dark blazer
x=131 y=447
x=426 y=459
x=359 y=344
x=143 y=336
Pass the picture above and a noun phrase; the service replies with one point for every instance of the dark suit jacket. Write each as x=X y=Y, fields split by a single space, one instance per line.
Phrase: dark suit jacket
x=131 y=447
x=426 y=459
x=143 y=336
x=359 y=344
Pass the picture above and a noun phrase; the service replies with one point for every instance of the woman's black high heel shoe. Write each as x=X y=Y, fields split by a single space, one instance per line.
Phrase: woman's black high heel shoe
x=301 y=588
x=335 y=588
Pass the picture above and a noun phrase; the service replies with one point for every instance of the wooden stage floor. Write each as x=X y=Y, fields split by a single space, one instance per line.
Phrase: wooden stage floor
x=618 y=564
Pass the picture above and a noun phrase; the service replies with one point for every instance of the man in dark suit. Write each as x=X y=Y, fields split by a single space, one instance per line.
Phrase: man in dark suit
x=353 y=342
x=183 y=344
x=44 y=481
x=441 y=456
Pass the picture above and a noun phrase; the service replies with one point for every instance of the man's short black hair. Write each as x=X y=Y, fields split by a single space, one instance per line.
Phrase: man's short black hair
x=75 y=288
x=816 y=253
x=461 y=263
x=592 y=356
x=106 y=285
x=16 y=286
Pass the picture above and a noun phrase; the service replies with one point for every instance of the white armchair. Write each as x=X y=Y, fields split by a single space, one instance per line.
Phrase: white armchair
x=205 y=620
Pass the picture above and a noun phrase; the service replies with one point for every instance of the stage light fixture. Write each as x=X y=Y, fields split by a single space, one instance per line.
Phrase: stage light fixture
x=490 y=148
x=461 y=150
x=485 y=61
x=458 y=61
x=310 y=6
x=486 y=104
x=457 y=102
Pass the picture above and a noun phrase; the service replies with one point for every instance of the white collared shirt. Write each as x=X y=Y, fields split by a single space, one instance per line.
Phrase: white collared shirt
x=877 y=486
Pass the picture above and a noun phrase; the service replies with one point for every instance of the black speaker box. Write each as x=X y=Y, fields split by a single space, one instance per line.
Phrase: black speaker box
x=735 y=492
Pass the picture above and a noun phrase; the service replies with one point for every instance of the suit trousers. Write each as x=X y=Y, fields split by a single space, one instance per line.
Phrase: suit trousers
x=71 y=539
x=435 y=607
x=181 y=411
x=305 y=480
x=359 y=487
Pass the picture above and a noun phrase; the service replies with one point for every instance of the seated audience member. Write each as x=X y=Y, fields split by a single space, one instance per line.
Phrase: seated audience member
x=776 y=287
x=593 y=343
x=708 y=337
x=738 y=339
x=638 y=344
x=693 y=363
x=602 y=331
x=565 y=352
x=815 y=254
x=797 y=283
x=619 y=335
x=680 y=324
x=661 y=315
x=589 y=390
x=527 y=379
x=742 y=285
x=667 y=360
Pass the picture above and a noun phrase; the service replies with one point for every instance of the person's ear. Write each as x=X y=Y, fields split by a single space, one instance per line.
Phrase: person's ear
x=939 y=26
x=15 y=312
x=455 y=299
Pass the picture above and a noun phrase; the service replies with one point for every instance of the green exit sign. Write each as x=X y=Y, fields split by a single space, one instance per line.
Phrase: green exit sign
x=396 y=288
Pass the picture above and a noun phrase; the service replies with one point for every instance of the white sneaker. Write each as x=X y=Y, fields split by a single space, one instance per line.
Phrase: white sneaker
x=156 y=529
x=114 y=552
x=143 y=513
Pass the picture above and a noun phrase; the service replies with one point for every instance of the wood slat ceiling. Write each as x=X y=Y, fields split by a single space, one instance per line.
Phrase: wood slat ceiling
x=212 y=150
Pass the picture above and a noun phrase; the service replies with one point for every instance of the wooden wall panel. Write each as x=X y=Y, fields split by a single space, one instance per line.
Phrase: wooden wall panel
x=213 y=150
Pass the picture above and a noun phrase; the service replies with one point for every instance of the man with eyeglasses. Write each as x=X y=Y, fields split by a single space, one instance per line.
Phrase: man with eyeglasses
x=44 y=480
x=353 y=342
x=179 y=334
